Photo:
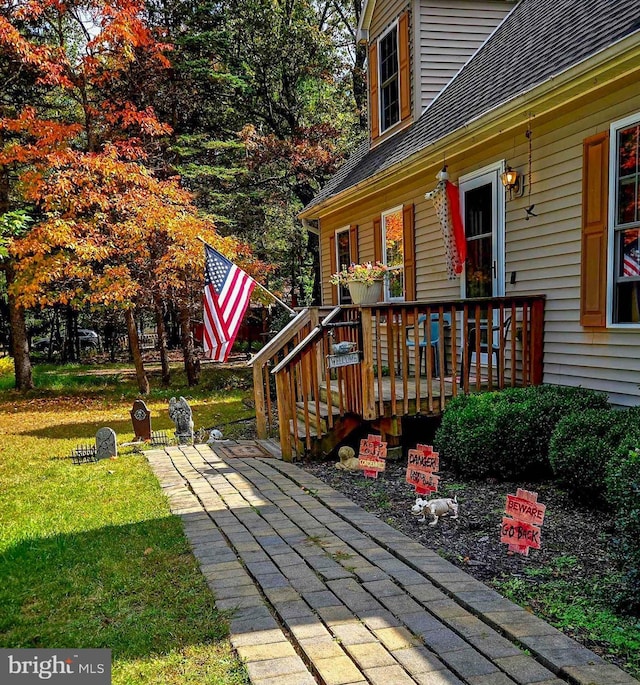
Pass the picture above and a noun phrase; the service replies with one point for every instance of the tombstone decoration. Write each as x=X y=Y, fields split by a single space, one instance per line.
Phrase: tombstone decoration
x=106 y=443
x=422 y=463
x=372 y=456
x=141 y=419
x=180 y=413
x=523 y=530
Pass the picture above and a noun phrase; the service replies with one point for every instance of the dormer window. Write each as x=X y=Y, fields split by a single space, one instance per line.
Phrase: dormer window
x=389 y=79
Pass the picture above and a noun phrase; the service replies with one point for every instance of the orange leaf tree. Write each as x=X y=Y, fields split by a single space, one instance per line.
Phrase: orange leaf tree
x=107 y=231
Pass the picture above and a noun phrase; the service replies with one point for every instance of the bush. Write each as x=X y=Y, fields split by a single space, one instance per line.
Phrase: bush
x=581 y=447
x=6 y=366
x=623 y=489
x=506 y=435
x=623 y=494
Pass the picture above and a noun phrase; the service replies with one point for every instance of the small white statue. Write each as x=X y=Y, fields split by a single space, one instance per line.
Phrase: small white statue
x=348 y=460
x=435 y=508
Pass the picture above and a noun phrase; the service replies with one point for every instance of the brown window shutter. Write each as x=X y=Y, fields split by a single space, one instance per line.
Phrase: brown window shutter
x=374 y=123
x=593 y=278
x=334 y=267
x=377 y=239
x=353 y=243
x=405 y=66
x=409 y=245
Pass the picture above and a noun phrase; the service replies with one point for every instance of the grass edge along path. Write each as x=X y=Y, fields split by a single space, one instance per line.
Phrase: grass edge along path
x=90 y=556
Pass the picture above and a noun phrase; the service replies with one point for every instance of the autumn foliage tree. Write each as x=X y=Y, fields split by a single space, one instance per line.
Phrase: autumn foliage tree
x=107 y=230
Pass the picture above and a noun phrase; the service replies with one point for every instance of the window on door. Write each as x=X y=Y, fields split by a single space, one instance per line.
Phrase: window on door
x=343 y=260
x=478 y=224
x=393 y=253
x=625 y=236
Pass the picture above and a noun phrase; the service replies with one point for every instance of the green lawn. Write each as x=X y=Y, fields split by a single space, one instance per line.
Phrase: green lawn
x=90 y=555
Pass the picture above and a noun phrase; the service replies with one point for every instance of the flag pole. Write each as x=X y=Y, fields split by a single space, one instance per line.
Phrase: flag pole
x=292 y=312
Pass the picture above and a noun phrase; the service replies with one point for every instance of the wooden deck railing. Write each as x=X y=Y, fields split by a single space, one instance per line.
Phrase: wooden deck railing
x=413 y=356
x=270 y=356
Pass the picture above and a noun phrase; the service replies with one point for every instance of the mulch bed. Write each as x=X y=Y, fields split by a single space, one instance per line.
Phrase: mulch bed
x=472 y=542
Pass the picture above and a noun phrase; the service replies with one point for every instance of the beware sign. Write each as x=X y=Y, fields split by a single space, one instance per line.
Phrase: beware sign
x=522 y=531
x=372 y=455
x=422 y=462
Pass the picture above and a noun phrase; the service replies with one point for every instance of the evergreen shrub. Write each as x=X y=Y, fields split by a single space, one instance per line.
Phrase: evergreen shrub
x=506 y=435
x=582 y=445
x=623 y=494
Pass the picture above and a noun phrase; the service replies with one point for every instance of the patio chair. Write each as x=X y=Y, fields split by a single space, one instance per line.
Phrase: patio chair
x=487 y=344
x=434 y=341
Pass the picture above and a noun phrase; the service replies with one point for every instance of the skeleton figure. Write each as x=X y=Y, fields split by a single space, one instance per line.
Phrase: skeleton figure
x=180 y=414
x=435 y=508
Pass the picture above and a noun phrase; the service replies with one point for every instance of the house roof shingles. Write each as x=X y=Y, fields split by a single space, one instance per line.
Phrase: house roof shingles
x=546 y=37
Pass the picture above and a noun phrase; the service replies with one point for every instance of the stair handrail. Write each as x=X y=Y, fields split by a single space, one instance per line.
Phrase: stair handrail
x=261 y=360
x=305 y=342
x=302 y=318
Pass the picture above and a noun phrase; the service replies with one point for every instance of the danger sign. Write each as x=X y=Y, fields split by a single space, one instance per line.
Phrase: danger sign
x=422 y=462
x=522 y=531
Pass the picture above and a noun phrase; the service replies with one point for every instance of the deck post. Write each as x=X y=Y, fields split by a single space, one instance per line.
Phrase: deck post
x=259 y=399
x=368 y=379
x=282 y=395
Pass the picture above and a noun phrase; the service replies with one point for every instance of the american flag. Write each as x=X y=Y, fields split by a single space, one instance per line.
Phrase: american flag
x=630 y=264
x=227 y=290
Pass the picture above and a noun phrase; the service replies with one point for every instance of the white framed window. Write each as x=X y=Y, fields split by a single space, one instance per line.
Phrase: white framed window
x=623 y=302
x=392 y=225
x=343 y=260
x=389 y=78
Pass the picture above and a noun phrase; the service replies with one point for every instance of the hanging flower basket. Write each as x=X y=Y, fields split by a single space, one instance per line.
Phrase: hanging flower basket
x=365 y=293
x=363 y=280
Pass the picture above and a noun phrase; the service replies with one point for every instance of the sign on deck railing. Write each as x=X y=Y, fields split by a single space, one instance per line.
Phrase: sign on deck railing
x=338 y=360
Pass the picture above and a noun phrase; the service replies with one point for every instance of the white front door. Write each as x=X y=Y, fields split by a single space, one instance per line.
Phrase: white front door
x=483 y=213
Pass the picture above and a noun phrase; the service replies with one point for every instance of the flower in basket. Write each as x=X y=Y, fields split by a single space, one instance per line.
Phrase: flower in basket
x=367 y=273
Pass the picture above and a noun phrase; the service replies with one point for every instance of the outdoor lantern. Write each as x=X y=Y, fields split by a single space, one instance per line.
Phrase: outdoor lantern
x=511 y=181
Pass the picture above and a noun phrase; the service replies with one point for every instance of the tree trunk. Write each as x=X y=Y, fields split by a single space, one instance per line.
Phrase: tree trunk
x=191 y=363
x=162 y=339
x=19 y=338
x=69 y=344
x=134 y=346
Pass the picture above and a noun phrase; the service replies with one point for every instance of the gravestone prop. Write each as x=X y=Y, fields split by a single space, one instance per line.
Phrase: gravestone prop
x=141 y=419
x=180 y=413
x=106 y=443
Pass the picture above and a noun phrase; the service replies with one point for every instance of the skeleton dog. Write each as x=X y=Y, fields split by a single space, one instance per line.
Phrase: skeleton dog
x=435 y=508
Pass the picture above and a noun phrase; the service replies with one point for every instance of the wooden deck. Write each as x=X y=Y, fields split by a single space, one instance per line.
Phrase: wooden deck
x=404 y=358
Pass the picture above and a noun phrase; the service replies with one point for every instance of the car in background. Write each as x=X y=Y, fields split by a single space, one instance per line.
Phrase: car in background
x=87 y=339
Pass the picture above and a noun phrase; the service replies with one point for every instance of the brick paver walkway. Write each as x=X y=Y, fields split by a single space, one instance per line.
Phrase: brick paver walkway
x=320 y=591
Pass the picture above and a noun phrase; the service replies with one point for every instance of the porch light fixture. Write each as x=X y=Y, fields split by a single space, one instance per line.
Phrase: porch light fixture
x=512 y=181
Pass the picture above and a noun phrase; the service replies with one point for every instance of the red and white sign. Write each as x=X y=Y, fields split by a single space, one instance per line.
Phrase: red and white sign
x=372 y=455
x=523 y=530
x=422 y=463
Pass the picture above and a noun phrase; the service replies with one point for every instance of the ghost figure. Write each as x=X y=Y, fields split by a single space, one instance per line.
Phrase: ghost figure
x=180 y=413
x=446 y=201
